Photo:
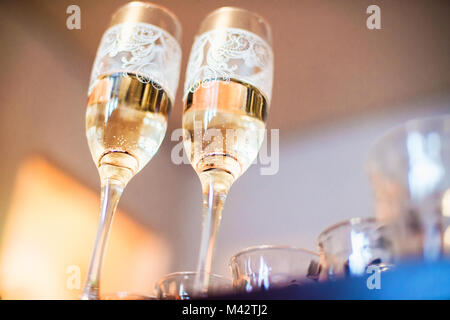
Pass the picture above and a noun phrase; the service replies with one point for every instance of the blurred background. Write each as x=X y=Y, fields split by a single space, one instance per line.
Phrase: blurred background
x=338 y=86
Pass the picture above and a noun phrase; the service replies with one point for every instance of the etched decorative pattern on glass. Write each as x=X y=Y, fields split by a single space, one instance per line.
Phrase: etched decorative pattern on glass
x=144 y=49
x=230 y=53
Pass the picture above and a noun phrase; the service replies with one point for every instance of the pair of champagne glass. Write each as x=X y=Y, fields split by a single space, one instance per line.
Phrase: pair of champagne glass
x=133 y=85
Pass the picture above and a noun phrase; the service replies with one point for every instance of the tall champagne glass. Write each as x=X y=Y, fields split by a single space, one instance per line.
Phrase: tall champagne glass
x=133 y=84
x=226 y=99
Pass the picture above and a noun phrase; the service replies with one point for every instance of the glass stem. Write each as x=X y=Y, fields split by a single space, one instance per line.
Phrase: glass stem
x=111 y=191
x=215 y=185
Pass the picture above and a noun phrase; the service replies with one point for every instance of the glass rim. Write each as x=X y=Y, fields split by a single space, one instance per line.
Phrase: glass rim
x=402 y=128
x=162 y=8
x=270 y=247
x=349 y=222
x=259 y=17
x=233 y=8
x=188 y=273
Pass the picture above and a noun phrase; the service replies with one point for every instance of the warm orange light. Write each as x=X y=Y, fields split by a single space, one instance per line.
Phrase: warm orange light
x=447 y=240
x=445 y=203
x=49 y=234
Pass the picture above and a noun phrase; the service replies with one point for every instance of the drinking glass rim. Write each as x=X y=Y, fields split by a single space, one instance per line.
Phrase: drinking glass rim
x=249 y=12
x=188 y=273
x=400 y=128
x=164 y=9
x=233 y=8
x=269 y=247
x=349 y=222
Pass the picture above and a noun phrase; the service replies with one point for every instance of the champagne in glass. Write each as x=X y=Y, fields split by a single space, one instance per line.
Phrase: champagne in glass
x=126 y=120
x=230 y=138
x=133 y=83
x=226 y=100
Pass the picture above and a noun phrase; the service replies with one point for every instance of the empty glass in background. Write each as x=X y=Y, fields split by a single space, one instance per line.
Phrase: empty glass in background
x=226 y=100
x=133 y=85
x=410 y=173
x=180 y=286
x=267 y=267
x=349 y=247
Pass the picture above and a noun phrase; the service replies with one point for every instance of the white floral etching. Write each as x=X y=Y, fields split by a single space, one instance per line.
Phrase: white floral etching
x=140 y=48
x=230 y=53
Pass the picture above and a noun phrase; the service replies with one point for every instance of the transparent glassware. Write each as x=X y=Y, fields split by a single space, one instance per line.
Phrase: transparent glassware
x=133 y=84
x=266 y=267
x=180 y=286
x=349 y=247
x=409 y=169
x=226 y=100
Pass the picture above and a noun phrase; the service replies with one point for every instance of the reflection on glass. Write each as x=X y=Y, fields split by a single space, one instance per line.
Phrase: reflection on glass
x=425 y=165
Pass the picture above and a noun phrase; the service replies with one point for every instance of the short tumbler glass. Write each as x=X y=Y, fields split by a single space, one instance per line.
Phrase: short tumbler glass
x=180 y=286
x=265 y=267
x=348 y=248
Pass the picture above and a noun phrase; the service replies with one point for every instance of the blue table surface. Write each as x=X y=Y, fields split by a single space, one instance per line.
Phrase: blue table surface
x=407 y=281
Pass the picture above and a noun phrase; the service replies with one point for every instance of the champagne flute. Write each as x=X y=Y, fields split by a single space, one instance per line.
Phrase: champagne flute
x=226 y=99
x=132 y=88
